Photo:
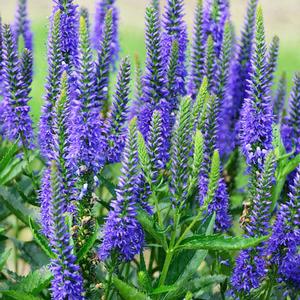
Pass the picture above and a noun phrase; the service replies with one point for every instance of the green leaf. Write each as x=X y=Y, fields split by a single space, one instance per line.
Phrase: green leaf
x=32 y=253
x=89 y=244
x=108 y=184
x=9 y=155
x=4 y=257
x=41 y=240
x=198 y=283
x=148 y=225
x=163 y=289
x=128 y=292
x=18 y=295
x=191 y=267
x=15 y=169
x=291 y=166
x=35 y=282
x=220 y=242
x=12 y=200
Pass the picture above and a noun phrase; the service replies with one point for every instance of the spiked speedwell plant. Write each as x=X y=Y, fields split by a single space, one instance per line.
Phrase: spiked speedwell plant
x=187 y=189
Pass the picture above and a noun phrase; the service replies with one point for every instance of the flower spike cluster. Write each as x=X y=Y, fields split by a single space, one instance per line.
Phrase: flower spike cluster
x=89 y=126
x=240 y=73
x=16 y=76
x=123 y=234
x=257 y=114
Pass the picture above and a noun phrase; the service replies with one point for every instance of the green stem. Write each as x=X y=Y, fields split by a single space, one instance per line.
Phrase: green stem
x=190 y=227
x=109 y=281
x=15 y=247
x=170 y=251
x=30 y=170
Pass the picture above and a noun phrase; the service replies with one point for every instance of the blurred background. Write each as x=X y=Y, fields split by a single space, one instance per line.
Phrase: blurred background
x=281 y=18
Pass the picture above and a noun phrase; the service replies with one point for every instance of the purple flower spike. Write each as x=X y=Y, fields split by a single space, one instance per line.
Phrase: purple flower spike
x=69 y=23
x=56 y=68
x=123 y=234
x=102 y=7
x=174 y=28
x=17 y=86
x=21 y=26
x=257 y=114
x=285 y=239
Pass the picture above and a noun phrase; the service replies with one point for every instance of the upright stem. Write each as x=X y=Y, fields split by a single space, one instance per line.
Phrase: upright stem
x=170 y=251
x=30 y=170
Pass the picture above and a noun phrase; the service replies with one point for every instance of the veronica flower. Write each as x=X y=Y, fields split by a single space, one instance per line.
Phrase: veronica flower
x=180 y=151
x=220 y=201
x=225 y=138
x=285 y=240
x=119 y=114
x=280 y=98
x=215 y=18
x=123 y=234
x=174 y=28
x=198 y=52
x=89 y=127
x=250 y=266
x=290 y=128
x=21 y=26
x=103 y=64
x=67 y=281
x=154 y=89
x=272 y=59
x=102 y=7
x=61 y=153
x=257 y=116
x=240 y=72
x=69 y=22
x=55 y=70
x=17 y=86
x=138 y=89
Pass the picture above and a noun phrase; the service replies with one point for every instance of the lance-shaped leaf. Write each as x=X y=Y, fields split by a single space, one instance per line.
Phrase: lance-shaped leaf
x=220 y=242
x=127 y=291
